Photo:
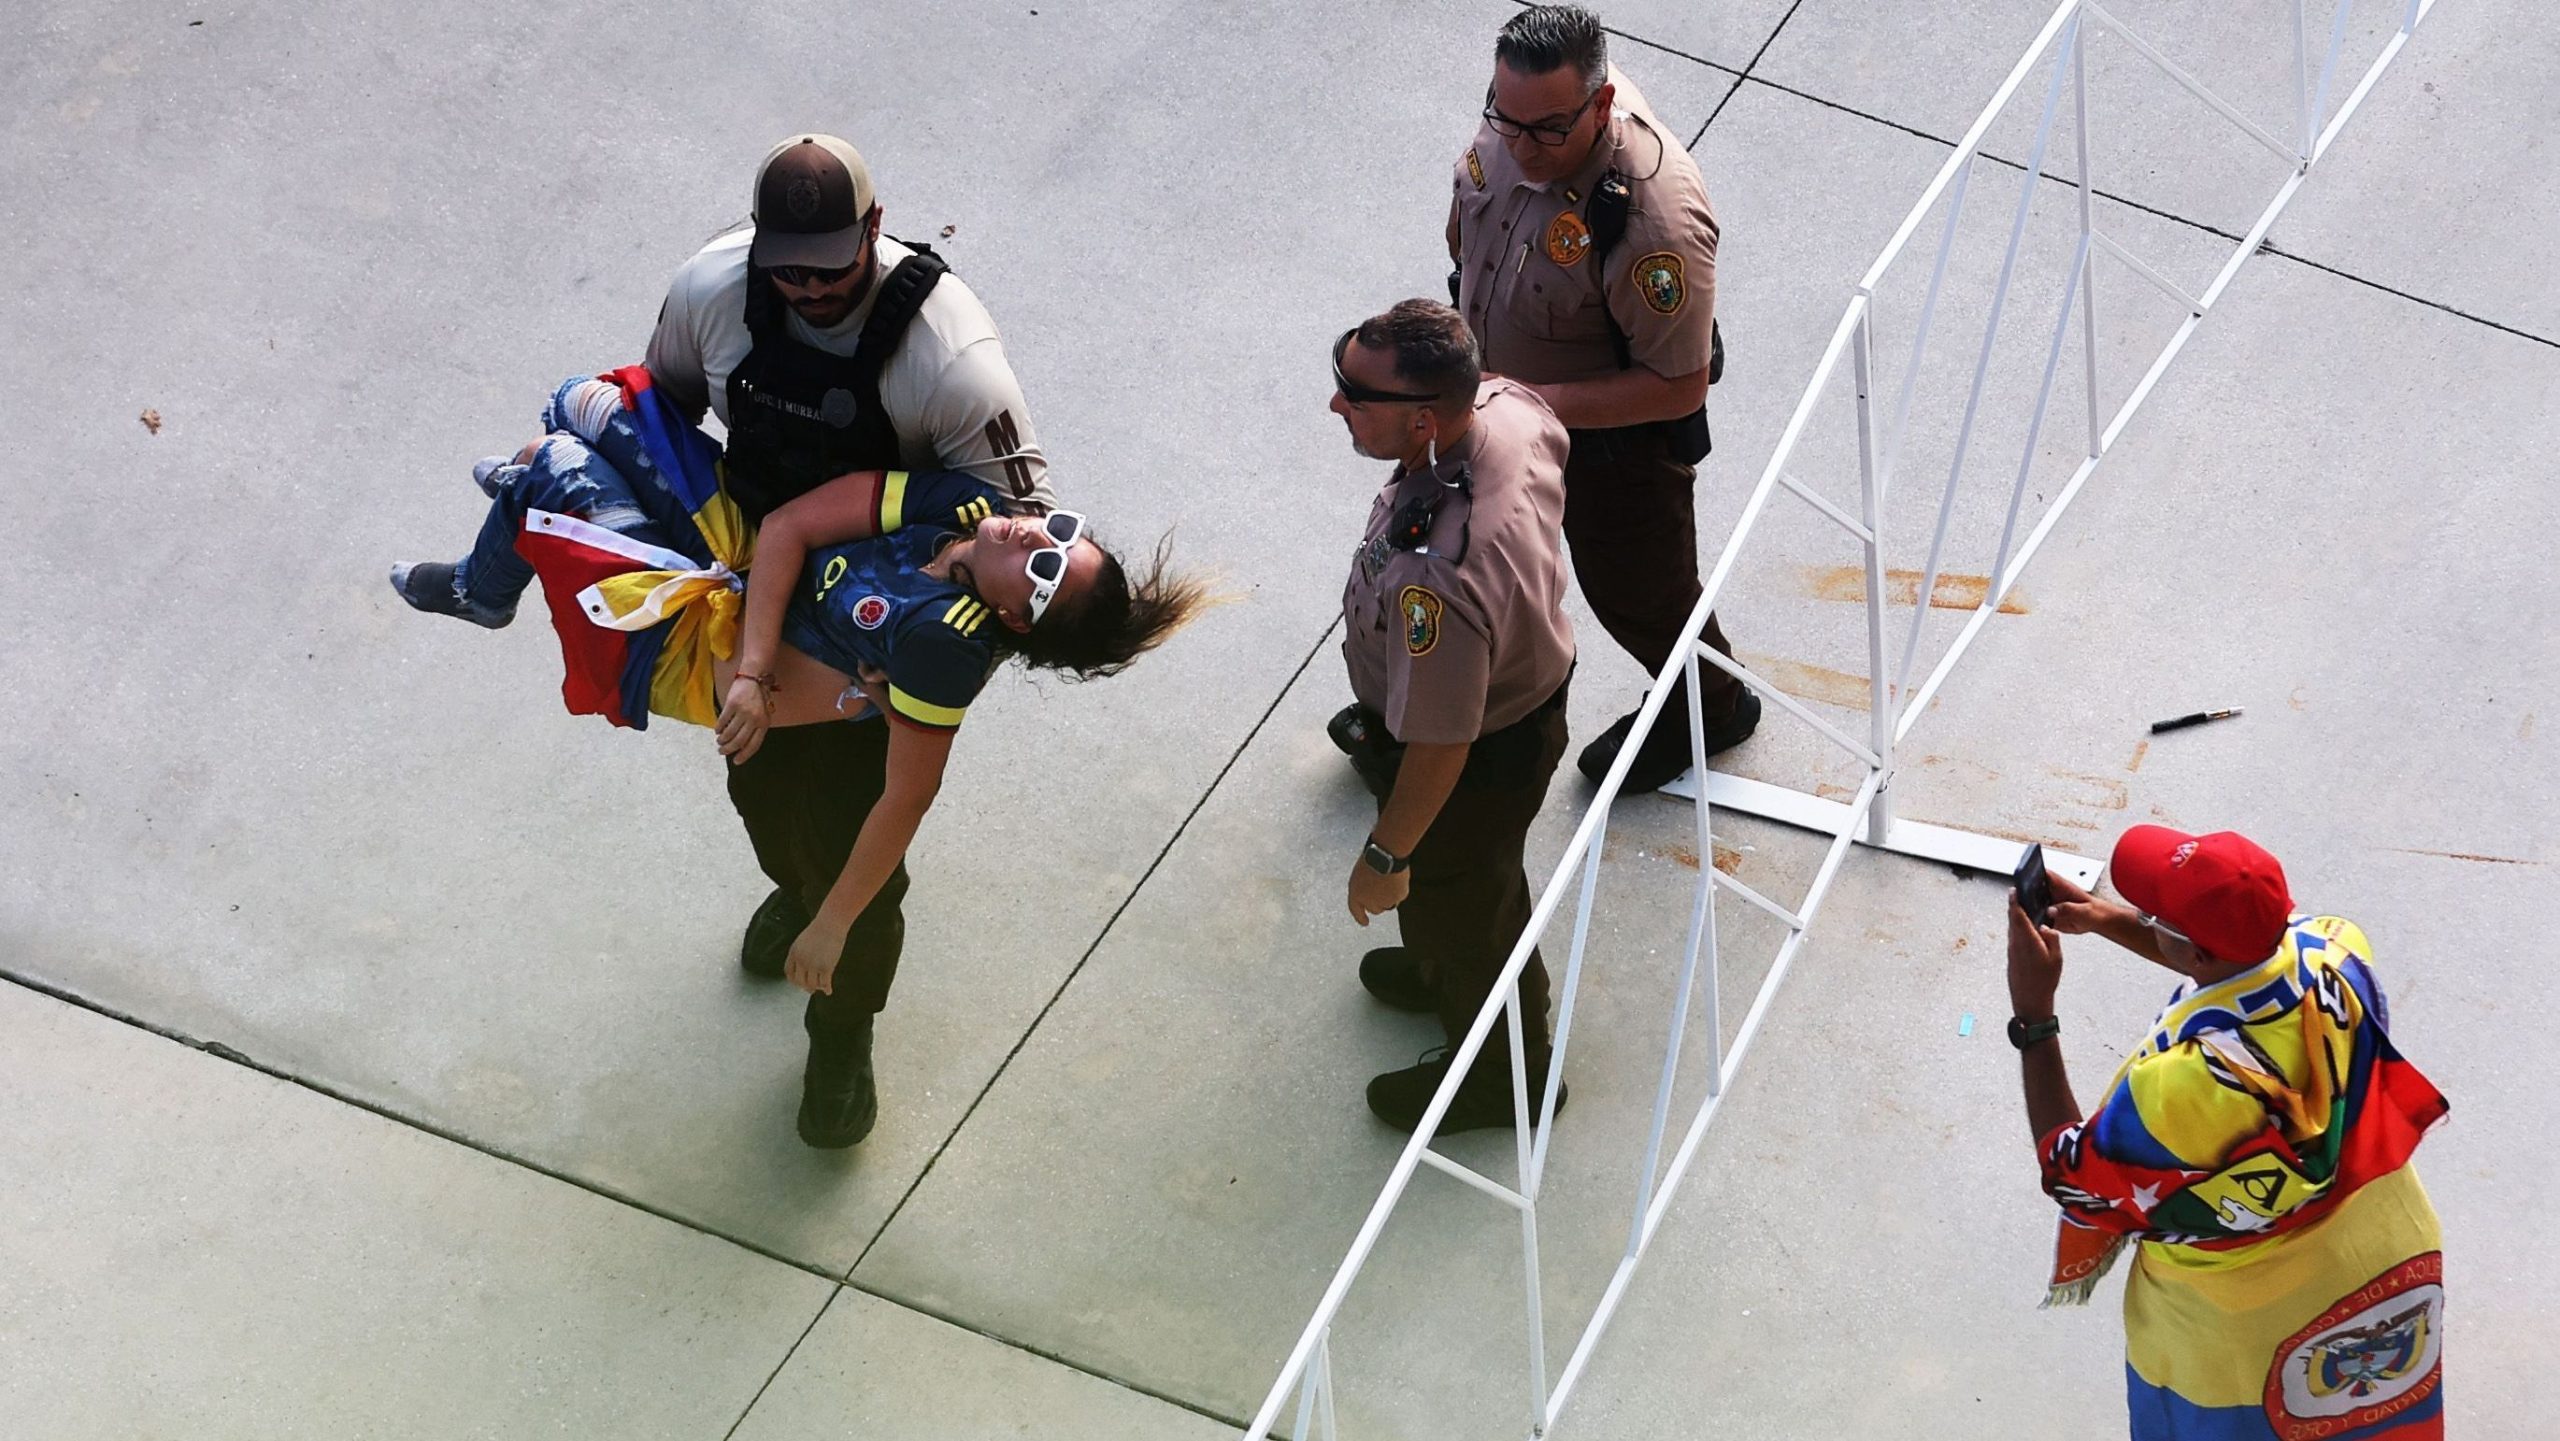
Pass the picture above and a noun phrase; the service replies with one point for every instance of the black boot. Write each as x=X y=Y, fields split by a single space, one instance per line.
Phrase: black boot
x=1664 y=757
x=1394 y=975
x=770 y=931
x=1484 y=1099
x=837 y=1100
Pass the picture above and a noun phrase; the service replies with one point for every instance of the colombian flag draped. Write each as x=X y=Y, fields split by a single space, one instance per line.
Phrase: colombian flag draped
x=639 y=624
x=2288 y=1282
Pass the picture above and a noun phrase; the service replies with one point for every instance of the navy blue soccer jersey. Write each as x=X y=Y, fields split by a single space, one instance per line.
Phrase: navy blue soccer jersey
x=869 y=602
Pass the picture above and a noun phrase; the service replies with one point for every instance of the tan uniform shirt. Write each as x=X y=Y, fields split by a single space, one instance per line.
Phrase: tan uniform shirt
x=1467 y=634
x=950 y=395
x=1527 y=284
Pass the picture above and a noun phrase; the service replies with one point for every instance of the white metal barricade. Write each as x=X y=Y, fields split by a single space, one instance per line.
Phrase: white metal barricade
x=1893 y=705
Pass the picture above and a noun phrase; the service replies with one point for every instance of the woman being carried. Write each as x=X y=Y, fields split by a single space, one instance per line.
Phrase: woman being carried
x=878 y=590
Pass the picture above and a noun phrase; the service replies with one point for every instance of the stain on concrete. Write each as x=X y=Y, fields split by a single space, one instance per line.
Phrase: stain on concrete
x=2471 y=856
x=1728 y=860
x=2140 y=749
x=1902 y=587
x=2099 y=793
x=1813 y=682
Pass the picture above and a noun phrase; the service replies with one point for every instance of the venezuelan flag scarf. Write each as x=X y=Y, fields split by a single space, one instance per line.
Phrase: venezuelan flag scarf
x=640 y=625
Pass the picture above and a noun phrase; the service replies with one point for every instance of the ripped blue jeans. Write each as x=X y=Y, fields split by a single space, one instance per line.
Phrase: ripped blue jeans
x=592 y=464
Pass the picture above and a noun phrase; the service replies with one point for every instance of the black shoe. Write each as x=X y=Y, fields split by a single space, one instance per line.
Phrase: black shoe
x=837 y=1100
x=1394 y=975
x=1665 y=756
x=428 y=585
x=770 y=931
x=1400 y=1097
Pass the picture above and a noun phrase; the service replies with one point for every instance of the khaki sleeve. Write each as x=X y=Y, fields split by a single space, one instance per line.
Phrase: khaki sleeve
x=1440 y=673
x=978 y=423
x=1662 y=282
x=675 y=351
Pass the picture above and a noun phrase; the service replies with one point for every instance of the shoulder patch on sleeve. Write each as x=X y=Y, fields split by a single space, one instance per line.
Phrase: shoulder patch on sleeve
x=1475 y=168
x=965 y=615
x=1421 y=610
x=1658 y=277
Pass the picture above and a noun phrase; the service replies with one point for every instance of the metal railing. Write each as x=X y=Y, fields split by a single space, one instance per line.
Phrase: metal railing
x=1893 y=706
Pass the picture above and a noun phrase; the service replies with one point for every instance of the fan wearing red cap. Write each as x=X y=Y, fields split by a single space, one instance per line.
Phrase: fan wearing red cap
x=2252 y=1153
x=2221 y=893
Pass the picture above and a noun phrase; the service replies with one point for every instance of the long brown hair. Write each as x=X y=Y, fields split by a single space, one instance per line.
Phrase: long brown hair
x=1116 y=620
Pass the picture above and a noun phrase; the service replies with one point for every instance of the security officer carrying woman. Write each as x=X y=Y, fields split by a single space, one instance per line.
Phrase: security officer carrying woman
x=826 y=347
x=1586 y=264
x=1459 y=653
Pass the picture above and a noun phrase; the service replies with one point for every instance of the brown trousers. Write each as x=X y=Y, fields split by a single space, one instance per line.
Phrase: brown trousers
x=1631 y=519
x=1471 y=895
x=804 y=795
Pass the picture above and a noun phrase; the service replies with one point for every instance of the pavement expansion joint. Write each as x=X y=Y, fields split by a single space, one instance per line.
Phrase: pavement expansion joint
x=1748 y=66
x=237 y=1057
x=841 y=1284
x=1100 y=936
x=2055 y=177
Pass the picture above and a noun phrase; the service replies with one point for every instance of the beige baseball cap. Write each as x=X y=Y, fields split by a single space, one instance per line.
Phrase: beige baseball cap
x=813 y=204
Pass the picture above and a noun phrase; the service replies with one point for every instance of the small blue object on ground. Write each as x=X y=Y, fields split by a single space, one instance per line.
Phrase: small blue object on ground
x=1965 y=1026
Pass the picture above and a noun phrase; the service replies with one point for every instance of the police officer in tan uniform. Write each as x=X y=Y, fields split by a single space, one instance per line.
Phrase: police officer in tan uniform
x=1618 y=345
x=1459 y=651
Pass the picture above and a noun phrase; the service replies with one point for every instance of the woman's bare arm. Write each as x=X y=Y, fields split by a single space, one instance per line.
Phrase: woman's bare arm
x=845 y=508
x=916 y=760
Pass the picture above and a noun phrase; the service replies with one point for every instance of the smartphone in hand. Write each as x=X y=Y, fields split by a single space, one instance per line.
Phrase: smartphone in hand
x=2035 y=889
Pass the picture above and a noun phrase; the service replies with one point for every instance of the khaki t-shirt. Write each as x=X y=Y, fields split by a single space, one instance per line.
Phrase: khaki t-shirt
x=950 y=394
x=1527 y=282
x=1467 y=634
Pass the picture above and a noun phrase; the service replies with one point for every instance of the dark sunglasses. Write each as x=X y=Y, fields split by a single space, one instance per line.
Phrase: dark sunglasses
x=805 y=276
x=1359 y=394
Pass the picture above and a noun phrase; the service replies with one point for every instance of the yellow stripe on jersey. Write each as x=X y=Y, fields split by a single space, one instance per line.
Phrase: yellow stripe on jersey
x=966 y=615
x=893 y=501
x=971 y=512
x=924 y=712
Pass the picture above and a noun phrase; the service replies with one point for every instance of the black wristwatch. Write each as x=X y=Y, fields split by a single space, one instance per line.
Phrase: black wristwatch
x=2024 y=1033
x=1385 y=862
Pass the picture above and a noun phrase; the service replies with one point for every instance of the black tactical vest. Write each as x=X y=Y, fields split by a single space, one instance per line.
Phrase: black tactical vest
x=799 y=416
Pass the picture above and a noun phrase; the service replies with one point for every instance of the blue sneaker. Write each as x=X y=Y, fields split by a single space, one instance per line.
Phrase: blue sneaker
x=431 y=586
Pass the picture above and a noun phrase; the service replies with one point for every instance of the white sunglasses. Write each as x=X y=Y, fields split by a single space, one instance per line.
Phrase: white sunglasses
x=1048 y=568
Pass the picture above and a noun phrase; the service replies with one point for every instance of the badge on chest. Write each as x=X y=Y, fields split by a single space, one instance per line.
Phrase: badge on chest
x=1568 y=239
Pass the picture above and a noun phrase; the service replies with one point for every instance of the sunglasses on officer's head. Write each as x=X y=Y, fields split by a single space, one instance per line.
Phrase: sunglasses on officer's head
x=1359 y=394
x=1048 y=568
x=805 y=276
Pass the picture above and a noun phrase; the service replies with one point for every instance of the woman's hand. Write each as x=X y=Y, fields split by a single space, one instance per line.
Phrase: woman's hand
x=745 y=715
x=812 y=963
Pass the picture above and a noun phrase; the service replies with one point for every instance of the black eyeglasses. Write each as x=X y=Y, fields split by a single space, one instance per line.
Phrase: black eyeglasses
x=1547 y=135
x=805 y=276
x=1359 y=394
